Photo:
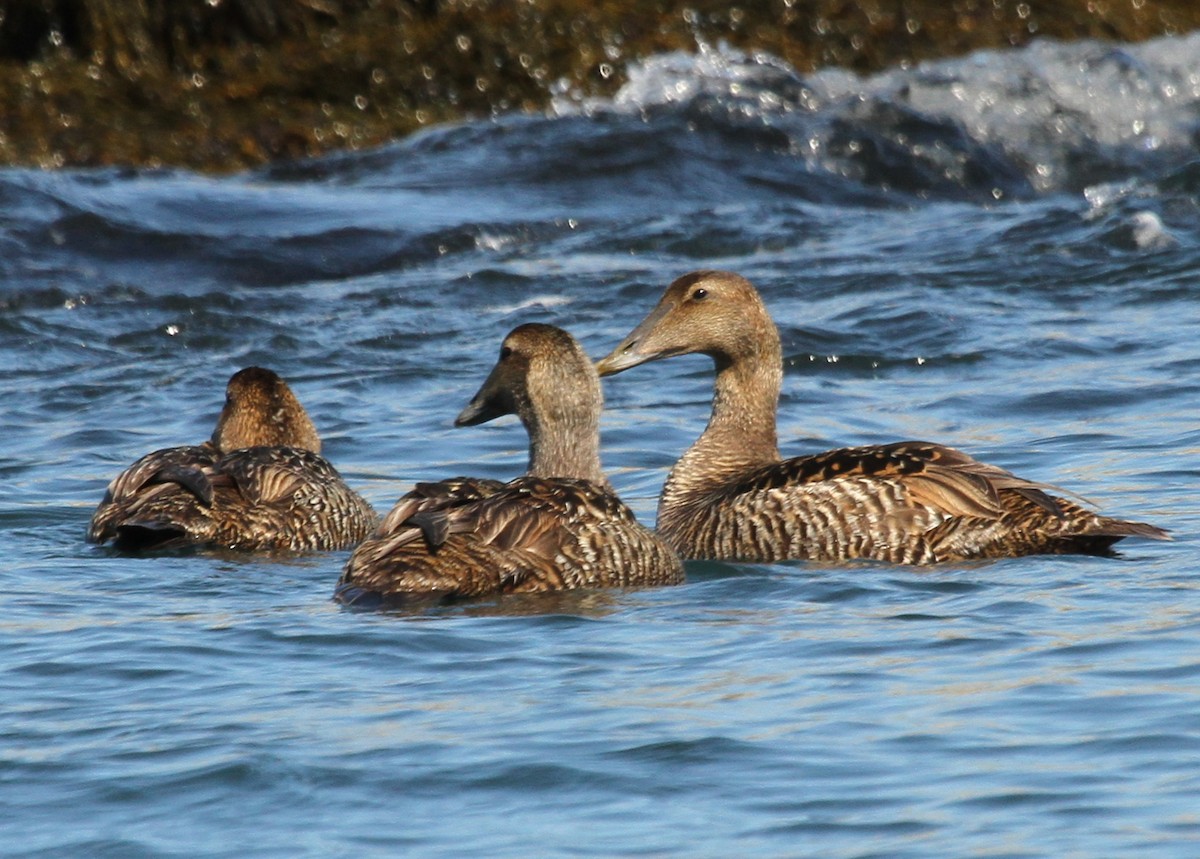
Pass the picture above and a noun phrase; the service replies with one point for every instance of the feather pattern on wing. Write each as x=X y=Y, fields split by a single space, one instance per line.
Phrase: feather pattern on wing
x=532 y=534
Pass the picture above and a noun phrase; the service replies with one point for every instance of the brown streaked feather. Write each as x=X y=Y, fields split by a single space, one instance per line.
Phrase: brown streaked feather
x=429 y=497
x=532 y=534
x=935 y=475
x=947 y=506
x=194 y=480
x=273 y=475
x=256 y=499
x=1025 y=529
x=994 y=477
x=151 y=482
x=434 y=526
x=953 y=493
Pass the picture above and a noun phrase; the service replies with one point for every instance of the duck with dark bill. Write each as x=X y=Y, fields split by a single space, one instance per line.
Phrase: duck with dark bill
x=559 y=526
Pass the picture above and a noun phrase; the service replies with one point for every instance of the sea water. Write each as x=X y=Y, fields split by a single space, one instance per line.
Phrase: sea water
x=999 y=252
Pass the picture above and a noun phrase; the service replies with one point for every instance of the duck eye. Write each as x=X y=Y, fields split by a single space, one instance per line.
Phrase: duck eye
x=505 y=352
x=700 y=294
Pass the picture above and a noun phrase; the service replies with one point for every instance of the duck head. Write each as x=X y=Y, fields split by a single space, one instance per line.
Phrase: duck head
x=714 y=313
x=261 y=410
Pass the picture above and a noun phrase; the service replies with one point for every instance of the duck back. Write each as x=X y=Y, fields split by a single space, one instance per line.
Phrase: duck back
x=255 y=499
x=907 y=503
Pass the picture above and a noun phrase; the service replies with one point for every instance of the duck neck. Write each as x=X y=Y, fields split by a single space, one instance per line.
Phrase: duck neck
x=564 y=447
x=741 y=430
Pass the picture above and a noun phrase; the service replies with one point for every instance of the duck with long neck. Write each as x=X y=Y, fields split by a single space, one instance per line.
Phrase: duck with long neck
x=732 y=497
x=558 y=526
x=719 y=315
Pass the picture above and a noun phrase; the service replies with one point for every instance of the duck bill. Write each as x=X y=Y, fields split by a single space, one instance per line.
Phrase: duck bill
x=638 y=348
x=622 y=358
x=490 y=402
x=477 y=412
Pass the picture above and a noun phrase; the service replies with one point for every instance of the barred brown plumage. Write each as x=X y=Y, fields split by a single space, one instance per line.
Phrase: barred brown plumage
x=731 y=496
x=559 y=526
x=258 y=484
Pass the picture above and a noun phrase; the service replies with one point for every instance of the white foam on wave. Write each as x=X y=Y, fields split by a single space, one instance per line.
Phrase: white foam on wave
x=1122 y=204
x=536 y=302
x=678 y=77
x=1055 y=109
x=1050 y=100
x=1149 y=232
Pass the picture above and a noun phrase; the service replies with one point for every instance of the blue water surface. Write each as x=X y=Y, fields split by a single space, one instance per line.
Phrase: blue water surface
x=999 y=252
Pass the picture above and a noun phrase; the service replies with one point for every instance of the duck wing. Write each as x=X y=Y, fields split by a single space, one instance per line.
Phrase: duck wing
x=272 y=475
x=427 y=506
x=275 y=497
x=185 y=465
x=933 y=475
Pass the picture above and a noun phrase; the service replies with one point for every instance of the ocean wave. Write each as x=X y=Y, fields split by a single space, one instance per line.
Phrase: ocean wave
x=1049 y=117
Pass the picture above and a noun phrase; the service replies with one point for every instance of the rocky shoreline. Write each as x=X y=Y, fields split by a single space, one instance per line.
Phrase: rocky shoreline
x=223 y=85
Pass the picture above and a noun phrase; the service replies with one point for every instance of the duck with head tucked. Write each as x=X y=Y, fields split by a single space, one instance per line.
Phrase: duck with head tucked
x=258 y=484
x=559 y=526
x=732 y=497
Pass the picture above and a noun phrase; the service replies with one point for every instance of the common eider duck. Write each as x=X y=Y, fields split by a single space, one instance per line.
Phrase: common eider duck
x=732 y=497
x=258 y=484
x=559 y=526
